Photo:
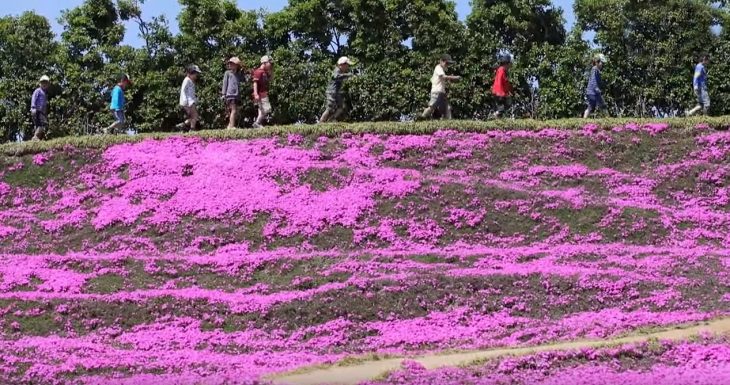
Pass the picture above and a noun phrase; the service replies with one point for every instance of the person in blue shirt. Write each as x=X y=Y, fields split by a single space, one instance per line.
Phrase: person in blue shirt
x=593 y=90
x=117 y=105
x=699 y=83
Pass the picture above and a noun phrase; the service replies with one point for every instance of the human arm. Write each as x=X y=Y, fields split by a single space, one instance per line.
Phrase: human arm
x=226 y=80
x=34 y=102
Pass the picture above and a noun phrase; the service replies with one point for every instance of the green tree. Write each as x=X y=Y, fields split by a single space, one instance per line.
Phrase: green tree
x=525 y=29
x=27 y=52
x=652 y=49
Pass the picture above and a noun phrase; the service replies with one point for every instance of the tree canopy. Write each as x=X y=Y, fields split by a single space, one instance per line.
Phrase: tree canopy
x=650 y=45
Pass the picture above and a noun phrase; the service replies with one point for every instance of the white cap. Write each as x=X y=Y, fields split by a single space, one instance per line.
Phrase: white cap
x=45 y=78
x=601 y=57
x=344 y=60
x=235 y=60
x=266 y=59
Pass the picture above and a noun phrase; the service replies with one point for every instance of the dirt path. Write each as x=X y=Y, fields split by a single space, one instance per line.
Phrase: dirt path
x=354 y=374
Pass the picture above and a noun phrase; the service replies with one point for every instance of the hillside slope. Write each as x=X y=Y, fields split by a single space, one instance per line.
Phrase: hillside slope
x=187 y=260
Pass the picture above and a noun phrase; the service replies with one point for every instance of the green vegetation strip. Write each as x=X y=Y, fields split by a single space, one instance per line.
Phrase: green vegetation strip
x=331 y=130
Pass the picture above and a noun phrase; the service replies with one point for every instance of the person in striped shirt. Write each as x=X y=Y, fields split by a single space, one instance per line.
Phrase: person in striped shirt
x=593 y=90
x=699 y=83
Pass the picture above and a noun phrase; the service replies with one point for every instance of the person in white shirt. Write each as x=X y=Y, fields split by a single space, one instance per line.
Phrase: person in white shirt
x=439 y=101
x=188 y=99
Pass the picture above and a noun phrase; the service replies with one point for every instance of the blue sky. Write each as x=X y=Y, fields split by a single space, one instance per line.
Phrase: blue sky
x=52 y=10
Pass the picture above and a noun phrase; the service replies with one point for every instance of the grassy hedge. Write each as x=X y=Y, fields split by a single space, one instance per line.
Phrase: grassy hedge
x=394 y=128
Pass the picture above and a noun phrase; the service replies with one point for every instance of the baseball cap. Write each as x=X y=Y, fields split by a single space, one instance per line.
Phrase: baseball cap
x=194 y=69
x=45 y=78
x=344 y=60
x=235 y=60
x=124 y=78
x=601 y=57
x=447 y=58
x=266 y=59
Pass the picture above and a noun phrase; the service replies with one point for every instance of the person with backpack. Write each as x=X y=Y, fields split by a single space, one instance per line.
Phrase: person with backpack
x=39 y=108
x=118 y=104
x=593 y=89
x=188 y=98
x=231 y=90
x=261 y=79
x=335 y=100
x=439 y=100
x=699 y=84
x=501 y=88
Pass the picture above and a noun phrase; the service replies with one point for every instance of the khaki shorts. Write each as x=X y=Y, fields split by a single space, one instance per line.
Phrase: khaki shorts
x=439 y=102
x=264 y=105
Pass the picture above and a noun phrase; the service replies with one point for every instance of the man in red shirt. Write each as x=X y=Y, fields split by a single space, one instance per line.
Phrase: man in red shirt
x=501 y=88
x=261 y=80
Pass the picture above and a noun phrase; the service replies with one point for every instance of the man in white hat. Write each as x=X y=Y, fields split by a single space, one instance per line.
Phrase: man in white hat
x=261 y=80
x=335 y=100
x=231 y=90
x=39 y=108
x=188 y=98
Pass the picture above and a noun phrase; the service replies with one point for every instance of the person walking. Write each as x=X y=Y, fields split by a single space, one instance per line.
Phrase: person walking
x=502 y=89
x=593 y=89
x=261 y=79
x=439 y=101
x=39 y=108
x=118 y=104
x=699 y=84
x=231 y=90
x=335 y=100
x=188 y=98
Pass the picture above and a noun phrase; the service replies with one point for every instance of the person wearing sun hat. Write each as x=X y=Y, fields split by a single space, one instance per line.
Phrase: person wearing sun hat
x=231 y=90
x=439 y=80
x=188 y=98
x=39 y=108
x=117 y=105
x=335 y=101
x=593 y=89
x=261 y=80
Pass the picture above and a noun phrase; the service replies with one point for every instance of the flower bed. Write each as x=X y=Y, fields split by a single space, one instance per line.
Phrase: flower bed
x=196 y=260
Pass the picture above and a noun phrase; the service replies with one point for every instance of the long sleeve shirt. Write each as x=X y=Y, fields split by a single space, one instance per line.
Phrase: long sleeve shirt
x=187 y=93
x=594 y=82
x=231 y=85
x=39 y=101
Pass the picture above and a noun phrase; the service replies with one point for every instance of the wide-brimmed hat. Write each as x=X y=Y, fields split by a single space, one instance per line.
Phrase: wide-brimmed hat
x=44 y=78
x=344 y=60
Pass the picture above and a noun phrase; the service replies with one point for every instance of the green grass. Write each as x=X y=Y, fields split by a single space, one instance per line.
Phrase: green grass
x=332 y=130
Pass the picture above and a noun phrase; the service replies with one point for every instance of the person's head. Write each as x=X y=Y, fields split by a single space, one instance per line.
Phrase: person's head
x=233 y=64
x=267 y=62
x=45 y=82
x=124 y=81
x=194 y=72
x=446 y=60
x=705 y=59
x=344 y=63
x=599 y=60
x=505 y=60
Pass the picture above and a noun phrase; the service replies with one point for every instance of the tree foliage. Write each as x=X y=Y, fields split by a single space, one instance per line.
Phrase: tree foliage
x=396 y=43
